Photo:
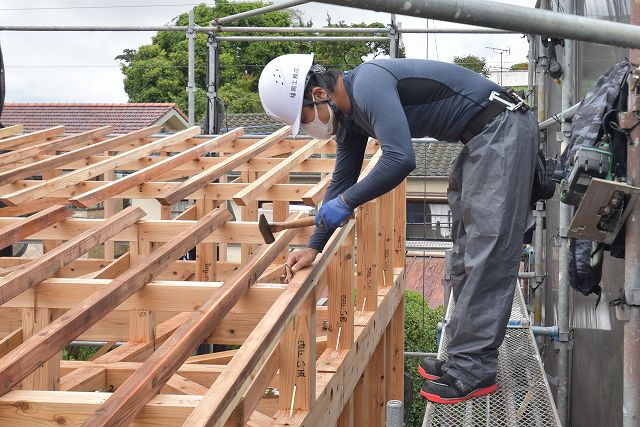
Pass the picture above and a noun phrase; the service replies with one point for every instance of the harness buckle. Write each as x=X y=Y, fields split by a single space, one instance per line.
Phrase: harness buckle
x=495 y=96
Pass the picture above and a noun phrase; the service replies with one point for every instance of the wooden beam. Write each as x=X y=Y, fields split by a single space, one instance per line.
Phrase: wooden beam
x=47 y=375
x=40 y=269
x=95 y=169
x=10 y=130
x=39 y=408
x=251 y=192
x=16 y=232
x=33 y=352
x=99 y=194
x=399 y=223
x=223 y=396
x=52 y=146
x=203 y=178
x=315 y=195
x=86 y=379
x=33 y=168
x=132 y=396
x=31 y=207
x=41 y=135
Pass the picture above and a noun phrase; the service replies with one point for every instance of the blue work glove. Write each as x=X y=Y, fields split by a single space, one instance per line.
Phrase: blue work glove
x=333 y=213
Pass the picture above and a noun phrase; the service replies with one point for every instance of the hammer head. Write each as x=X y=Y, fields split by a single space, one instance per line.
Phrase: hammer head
x=265 y=230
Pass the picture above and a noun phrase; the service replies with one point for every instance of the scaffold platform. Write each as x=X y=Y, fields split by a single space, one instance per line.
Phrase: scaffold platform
x=523 y=397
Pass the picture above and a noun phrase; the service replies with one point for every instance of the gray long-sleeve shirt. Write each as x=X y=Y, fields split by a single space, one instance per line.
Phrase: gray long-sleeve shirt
x=394 y=100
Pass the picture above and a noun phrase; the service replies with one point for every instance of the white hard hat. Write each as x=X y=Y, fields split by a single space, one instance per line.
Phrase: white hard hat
x=281 y=87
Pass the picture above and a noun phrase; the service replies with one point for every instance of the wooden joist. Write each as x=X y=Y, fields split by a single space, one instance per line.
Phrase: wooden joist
x=32 y=353
x=34 y=168
x=96 y=169
x=49 y=147
x=198 y=181
x=15 y=232
x=36 y=271
x=92 y=197
x=131 y=397
x=10 y=130
x=30 y=138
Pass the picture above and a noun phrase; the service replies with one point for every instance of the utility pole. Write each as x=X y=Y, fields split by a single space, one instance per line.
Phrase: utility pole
x=501 y=52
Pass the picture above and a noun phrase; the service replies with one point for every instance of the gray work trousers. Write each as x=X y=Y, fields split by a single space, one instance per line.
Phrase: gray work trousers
x=489 y=195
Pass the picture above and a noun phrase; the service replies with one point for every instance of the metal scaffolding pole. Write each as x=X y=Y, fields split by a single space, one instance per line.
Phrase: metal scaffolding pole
x=394 y=37
x=260 y=11
x=631 y=310
x=191 y=82
x=300 y=30
x=212 y=85
x=301 y=39
x=566 y=213
x=505 y=16
x=561 y=117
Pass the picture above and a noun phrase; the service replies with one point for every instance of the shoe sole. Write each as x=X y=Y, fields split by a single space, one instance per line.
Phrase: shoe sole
x=447 y=401
x=424 y=374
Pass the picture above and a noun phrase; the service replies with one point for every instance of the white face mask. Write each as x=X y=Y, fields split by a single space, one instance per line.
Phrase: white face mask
x=316 y=128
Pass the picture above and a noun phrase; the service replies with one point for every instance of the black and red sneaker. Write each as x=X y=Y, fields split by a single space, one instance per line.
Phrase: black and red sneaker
x=431 y=368
x=448 y=389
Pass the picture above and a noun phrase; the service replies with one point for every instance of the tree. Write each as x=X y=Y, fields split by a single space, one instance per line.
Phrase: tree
x=520 y=66
x=158 y=72
x=472 y=62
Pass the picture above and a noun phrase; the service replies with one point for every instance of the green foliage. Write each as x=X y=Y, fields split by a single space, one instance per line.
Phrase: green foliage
x=158 y=72
x=420 y=330
x=472 y=62
x=78 y=352
x=520 y=66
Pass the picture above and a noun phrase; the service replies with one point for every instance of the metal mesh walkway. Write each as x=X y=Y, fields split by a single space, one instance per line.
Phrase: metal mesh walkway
x=523 y=397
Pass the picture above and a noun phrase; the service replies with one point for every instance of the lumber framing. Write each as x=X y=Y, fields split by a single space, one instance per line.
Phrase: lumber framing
x=134 y=286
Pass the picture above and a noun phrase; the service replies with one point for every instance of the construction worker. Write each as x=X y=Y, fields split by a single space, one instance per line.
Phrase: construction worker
x=490 y=182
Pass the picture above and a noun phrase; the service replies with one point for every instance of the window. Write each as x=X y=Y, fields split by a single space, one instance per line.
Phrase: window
x=428 y=221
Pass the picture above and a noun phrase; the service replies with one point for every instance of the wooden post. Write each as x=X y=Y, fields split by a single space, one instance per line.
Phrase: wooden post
x=375 y=389
x=346 y=417
x=206 y=258
x=109 y=208
x=280 y=213
x=360 y=408
x=394 y=366
x=47 y=376
x=341 y=285
x=49 y=245
x=248 y=213
x=386 y=238
x=298 y=360
x=142 y=326
x=400 y=223
x=367 y=267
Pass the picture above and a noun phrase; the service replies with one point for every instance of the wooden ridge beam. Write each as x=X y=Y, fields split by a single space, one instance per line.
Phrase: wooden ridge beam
x=36 y=271
x=10 y=130
x=33 y=352
x=28 y=138
x=95 y=169
x=111 y=189
x=52 y=146
x=200 y=180
x=251 y=192
x=223 y=396
x=33 y=168
x=131 y=397
x=16 y=232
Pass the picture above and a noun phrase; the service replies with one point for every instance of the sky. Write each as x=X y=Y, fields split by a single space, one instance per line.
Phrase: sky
x=66 y=67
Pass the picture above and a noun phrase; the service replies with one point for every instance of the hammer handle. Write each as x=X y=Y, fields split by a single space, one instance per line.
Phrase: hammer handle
x=296 y=223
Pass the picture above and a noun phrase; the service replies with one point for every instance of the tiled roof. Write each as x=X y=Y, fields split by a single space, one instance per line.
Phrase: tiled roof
x=434 y=158
x=77 y=118
x=253 y=123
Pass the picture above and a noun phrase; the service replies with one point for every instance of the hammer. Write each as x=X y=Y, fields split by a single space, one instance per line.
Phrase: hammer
x=267 y=229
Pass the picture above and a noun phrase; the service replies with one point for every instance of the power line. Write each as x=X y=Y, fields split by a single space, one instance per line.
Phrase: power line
x=24 y=9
